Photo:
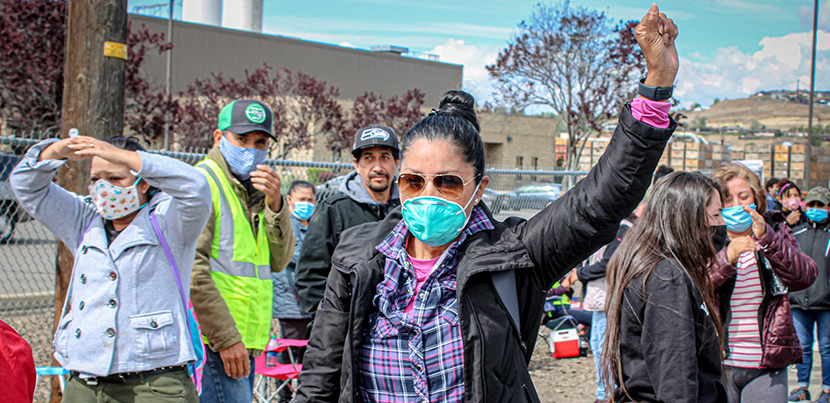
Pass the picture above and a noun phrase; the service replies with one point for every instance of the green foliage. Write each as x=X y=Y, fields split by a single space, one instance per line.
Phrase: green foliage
x=319 y=175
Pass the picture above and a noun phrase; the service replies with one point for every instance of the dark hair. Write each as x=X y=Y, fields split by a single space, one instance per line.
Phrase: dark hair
x=125 y=143
x=301 y=184
x=661 y=171
x=771 y=182
x=674 y=225
x=784 y=184
x=454 y=121
x=131 y=144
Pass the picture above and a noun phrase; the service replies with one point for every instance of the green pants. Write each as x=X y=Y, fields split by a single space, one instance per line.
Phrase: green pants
x=167 y=387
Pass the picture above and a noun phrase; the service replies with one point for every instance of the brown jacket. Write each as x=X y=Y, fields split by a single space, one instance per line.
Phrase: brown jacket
x=214 y=316
x=781 y=254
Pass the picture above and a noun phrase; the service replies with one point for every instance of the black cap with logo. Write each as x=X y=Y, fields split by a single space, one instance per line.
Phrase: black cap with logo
x=375 y=136
x=245 y=116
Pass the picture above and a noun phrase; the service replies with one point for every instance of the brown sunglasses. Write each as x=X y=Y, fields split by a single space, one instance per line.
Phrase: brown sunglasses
x=448 y=185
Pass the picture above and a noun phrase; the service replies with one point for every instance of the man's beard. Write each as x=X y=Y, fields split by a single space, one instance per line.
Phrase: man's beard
x=375 y=187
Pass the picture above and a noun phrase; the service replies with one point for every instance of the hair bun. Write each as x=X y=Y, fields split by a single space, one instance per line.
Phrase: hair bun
x=461 y=104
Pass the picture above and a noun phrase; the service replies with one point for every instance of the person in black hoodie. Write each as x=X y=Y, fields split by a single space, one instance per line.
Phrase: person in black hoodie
x=365 y=195
x=811 y=307
x=662 y=344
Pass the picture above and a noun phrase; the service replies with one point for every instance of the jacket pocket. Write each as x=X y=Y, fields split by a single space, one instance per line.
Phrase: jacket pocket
x=155 y=334
x=62 y=337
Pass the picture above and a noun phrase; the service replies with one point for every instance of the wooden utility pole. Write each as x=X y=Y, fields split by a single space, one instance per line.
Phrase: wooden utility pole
x=93 y=101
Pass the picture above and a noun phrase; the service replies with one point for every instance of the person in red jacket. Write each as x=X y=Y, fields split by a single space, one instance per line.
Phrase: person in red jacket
x=17 y=366
x=751 y=277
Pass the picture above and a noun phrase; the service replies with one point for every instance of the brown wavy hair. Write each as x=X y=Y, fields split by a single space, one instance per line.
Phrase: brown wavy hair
x=727 y=172
x=674 y=226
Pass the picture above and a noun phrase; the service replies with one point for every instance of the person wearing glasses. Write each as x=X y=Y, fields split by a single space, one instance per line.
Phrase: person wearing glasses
x=439 y=302
x=247 y=237
x=366 y=195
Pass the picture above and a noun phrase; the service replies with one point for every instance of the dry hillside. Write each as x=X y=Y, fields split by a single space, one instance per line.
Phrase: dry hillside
x=774 y=114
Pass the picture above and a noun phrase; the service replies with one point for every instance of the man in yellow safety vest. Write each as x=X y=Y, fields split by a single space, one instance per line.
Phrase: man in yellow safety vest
x=248 y=236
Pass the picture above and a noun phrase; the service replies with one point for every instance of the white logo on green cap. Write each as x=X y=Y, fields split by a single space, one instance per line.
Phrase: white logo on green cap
x=255 y=113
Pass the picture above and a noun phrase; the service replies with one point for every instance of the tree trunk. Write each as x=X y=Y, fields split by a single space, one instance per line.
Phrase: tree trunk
x=93 y=102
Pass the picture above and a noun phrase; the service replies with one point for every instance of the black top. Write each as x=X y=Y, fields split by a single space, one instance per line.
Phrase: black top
x=814 y=240
x=669 y=347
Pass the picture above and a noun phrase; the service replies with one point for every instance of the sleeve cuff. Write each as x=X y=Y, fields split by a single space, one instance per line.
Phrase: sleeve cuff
x=32 y=156
x=652 y=113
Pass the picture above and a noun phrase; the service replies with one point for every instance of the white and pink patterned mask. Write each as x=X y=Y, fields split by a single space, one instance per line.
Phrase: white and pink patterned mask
x=114 y=202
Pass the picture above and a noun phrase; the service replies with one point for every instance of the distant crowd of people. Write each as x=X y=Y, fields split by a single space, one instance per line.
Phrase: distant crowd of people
x=697 y=288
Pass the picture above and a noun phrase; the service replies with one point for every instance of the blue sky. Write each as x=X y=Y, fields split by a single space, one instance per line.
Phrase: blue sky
x=728 y=48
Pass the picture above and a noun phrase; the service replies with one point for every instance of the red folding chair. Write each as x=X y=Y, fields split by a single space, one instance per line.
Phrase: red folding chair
x=271 y=380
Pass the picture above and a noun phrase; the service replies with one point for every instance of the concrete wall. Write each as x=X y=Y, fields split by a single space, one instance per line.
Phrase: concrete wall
x=200 y=50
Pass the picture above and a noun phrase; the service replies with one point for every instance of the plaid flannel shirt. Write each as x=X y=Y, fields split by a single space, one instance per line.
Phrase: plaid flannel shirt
x=418 y=356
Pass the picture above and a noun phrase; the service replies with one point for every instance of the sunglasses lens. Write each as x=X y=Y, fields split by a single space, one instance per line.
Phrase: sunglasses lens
x=410 y=185
x=451 y=186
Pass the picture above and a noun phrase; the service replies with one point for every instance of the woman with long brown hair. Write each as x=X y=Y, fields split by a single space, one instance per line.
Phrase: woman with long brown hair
x=662 y=344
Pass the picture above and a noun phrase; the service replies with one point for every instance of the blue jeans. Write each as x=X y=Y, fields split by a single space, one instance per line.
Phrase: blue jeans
x=218 y=387
x=597 y=340
x=804 y=322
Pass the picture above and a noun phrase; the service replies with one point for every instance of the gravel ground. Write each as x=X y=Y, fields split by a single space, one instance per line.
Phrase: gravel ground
x=562 y=380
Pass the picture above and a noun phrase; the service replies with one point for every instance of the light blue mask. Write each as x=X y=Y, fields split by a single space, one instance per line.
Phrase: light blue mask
x=241 y=160
x=737 y=220
x=433 y=220
x=303 y=210
x=816 y=214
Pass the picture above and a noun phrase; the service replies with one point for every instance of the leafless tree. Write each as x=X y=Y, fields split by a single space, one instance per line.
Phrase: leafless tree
x=571 y=60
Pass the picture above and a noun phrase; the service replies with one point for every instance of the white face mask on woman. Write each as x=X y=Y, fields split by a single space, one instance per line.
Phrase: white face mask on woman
x=114 y=202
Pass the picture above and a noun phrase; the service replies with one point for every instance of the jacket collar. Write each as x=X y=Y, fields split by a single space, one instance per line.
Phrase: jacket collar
x=138 y=232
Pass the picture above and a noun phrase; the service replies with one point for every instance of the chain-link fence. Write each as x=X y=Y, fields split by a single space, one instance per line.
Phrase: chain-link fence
x=28 y=252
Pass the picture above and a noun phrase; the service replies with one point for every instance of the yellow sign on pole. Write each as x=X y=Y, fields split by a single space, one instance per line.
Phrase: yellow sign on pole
x=115 y=49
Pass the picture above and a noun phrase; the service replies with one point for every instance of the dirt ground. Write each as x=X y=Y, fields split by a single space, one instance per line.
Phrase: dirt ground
x=563 y=380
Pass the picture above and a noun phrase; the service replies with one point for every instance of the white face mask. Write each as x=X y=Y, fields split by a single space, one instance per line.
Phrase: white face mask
x=114 y=202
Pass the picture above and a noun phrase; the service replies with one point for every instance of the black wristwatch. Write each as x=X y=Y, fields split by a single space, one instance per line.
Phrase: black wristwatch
x=654 y=93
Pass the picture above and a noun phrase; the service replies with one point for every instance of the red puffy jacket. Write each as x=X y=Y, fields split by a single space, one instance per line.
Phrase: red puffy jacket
x=17 y=366
x=796 y=270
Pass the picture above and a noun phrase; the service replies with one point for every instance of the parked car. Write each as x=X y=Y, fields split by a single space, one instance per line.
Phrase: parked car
x=495 y=200
x=534 y=196
x=9 y=214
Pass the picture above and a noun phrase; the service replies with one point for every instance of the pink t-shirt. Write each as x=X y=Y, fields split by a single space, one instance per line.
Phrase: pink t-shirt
x=422 y=268
x=652 y=113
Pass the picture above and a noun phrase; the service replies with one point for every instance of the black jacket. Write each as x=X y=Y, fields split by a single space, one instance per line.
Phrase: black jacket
x=590 y=272
x=668 y=344
x=814 y=240
x=350 y=206
x=538 y=250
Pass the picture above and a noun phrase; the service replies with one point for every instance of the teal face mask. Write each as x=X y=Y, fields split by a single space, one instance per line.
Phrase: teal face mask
x=816 y=215
x=433 y=220
x=737 y=220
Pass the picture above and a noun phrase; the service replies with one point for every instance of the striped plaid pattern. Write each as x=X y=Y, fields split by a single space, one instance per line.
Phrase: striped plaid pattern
x=743 y=330
x=417 y=356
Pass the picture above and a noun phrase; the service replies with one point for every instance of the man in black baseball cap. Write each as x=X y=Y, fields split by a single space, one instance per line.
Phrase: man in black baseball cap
x=365 y=195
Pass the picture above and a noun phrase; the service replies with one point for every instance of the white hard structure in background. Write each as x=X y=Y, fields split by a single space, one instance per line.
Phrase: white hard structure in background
x=244 y=15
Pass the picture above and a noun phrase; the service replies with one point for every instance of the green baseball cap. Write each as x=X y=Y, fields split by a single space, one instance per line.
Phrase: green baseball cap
x=245 y=116
x=818 y=193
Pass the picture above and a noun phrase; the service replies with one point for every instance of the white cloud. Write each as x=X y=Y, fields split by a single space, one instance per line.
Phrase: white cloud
x=731 y=73
x=474 y=59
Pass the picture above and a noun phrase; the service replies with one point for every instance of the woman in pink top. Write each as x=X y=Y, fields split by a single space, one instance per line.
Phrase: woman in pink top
x=751 y=276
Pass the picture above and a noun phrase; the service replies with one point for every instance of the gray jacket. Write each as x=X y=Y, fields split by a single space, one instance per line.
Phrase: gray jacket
x=286 y=304
x=125 y=312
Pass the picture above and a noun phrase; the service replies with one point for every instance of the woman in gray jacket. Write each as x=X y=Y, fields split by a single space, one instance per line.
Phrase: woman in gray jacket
x=123 y=332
